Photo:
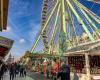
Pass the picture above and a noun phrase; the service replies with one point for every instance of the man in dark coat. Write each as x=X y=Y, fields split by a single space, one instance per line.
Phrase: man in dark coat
x=2 y=70
x=64 y=72
x=12 y=71
x=21 y=71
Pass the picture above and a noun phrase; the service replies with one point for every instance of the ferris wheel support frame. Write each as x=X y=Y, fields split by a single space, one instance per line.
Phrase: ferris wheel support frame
x=62 y=36
x=49 y=18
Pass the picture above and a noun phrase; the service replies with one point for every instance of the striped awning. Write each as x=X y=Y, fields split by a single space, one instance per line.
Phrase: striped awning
x=3 y=14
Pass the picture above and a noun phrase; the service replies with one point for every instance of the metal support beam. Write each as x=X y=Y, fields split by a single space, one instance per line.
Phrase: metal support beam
x=63 y=22
x=71 y=21
x=80 y=20
x=87 y=66
x=62 y=36
x=54 y=30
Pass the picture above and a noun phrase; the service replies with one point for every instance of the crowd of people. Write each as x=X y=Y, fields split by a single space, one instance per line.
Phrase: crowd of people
x=55 y=69
x=3 y=69
x=14 y=70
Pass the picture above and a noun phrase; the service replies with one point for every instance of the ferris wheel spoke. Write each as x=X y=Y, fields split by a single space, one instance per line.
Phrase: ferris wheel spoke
x=86 y=17
x=55 y=26
x=94 y=34
x=80 y=21
x=71 y=19
x=93 y=15
x=54 y=30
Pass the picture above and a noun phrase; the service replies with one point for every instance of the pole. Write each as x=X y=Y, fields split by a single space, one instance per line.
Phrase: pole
x=62 y=36
x=87 y=66
x=63 y=23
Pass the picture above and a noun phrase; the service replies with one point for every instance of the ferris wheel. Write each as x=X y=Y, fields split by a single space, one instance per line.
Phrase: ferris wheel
x=67 y=23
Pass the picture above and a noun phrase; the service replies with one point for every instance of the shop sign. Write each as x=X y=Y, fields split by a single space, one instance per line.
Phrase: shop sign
x=5 y=42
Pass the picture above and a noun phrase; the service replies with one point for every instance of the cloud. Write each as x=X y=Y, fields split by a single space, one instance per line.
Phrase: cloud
x=8 y=28
x=22 y=41
x=34 y=32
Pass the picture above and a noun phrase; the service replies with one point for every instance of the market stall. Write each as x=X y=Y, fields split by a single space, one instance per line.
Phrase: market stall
x=85 y=59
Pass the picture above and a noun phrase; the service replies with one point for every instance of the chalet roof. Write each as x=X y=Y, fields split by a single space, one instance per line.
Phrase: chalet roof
x=83 y=47
x=87 y=47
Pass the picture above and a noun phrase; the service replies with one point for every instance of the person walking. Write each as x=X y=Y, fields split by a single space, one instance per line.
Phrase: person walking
x=12 y=71
x=25 y=71
x=1 y=71
x=54 y=69
x=64 y=71
x=18 y=68
x=21 y=71
x=45 y=63
x=15 y=66
x=48 y=70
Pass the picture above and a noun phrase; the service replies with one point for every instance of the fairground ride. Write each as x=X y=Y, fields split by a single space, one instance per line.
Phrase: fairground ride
x=66 y=22
x=67 y=26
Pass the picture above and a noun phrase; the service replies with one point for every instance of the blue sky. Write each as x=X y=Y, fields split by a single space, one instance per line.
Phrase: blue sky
x=24 y=23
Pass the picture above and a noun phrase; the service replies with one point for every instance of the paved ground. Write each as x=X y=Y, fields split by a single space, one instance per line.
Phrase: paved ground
x=36 y=76
x=6 y=77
